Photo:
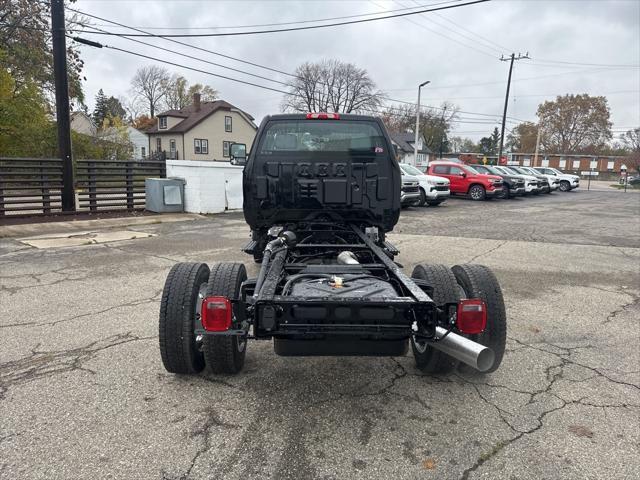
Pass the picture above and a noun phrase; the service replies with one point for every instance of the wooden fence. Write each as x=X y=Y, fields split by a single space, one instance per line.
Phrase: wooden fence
x=32 y=186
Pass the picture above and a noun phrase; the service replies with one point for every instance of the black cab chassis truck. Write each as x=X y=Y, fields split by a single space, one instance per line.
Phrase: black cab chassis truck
x=321 y=191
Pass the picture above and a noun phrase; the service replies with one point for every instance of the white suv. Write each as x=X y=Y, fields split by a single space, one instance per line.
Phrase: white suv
x=433 y=190
x=567 y=181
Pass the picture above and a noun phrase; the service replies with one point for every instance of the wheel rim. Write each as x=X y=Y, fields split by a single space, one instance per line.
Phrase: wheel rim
x=476 y=193
x=563 y=186
x=421 y=347
x=241 y=343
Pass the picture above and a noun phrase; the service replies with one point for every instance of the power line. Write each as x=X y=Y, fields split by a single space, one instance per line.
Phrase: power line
x=127 y=37
x=310 y=27
x=275 y=70
x=439 y=33
x=292 y=22
x=193 y=58
x=587 y=64
x=94 y=44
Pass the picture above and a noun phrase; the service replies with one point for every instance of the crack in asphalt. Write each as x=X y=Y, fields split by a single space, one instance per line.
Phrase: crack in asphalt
x=42 y=364
x=492 y=249
x=66 y=277
x=623 y=308
x=552 y=378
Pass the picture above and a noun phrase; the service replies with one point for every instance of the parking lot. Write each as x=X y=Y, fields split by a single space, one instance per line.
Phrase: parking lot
x=83 y=393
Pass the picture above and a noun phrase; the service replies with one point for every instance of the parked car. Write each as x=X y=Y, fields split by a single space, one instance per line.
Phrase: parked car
x=543 y=182
x=433 y=190
x=410 y=191
x=513 y=185
x=554 y=181
x=464 y=180
x=530 y=182
x=567 y=181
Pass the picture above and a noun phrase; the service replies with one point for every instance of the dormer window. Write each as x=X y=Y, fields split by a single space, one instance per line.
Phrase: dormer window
x=162 y=122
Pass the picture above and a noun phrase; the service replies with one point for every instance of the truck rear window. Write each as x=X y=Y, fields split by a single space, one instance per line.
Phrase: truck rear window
x=322 y=136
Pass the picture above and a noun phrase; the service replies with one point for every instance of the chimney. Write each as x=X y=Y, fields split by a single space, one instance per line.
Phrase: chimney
x=196 y=101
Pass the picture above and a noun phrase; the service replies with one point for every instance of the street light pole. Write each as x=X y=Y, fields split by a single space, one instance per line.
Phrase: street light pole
x=415 y=144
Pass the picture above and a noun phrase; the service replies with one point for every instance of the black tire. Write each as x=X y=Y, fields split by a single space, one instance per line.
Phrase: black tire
x=445 y=290
x=504 y=194
x=423 y=198
x=261 y=238
x=178 y=348
x=434 y=203
x=565 y=186
x=225 y=354
x=477 y=192
x=478 y=281
x=549 y=189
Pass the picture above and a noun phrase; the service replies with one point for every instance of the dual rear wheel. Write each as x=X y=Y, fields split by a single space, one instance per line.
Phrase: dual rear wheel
x=186 y=286
x=451 y=285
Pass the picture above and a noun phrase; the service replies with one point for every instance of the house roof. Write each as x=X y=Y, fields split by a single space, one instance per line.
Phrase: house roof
x=192 y=117
x=405 y=140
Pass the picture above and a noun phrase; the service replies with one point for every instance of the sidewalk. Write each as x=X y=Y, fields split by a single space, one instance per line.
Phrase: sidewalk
x=45 y=228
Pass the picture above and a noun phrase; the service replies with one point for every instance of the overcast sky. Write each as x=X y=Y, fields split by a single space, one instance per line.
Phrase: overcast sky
x=458 y=50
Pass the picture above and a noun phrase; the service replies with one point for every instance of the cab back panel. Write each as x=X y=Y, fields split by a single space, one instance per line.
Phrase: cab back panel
x=289 y=186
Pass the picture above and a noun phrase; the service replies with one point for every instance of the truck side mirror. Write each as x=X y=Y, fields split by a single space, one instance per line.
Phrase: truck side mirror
x=462 y=174
x=238 y=153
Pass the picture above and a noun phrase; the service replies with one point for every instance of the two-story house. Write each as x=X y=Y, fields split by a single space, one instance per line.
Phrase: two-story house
x=201 y=131
x=403 y=142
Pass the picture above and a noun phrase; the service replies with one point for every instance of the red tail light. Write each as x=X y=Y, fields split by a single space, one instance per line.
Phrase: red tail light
x=216 y=314
x=472 y=316
x=323 y=116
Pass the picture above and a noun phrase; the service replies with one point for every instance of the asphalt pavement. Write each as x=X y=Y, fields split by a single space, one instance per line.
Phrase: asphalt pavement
x=83 y=393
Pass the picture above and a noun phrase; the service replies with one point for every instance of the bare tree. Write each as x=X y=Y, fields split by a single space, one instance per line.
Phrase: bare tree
x=149 y=83
x=435 y=123
x=331 y=86
x=134 y=106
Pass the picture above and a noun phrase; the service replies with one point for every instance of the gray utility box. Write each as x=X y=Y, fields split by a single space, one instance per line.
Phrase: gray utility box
x=164 y=194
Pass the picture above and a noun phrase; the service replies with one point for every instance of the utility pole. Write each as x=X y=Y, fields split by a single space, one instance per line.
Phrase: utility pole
x=62 y=104
x=415 y=144
x=512 y=58
x=535 y=156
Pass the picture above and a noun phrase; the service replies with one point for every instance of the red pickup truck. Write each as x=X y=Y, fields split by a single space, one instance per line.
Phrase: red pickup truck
x=464 y=180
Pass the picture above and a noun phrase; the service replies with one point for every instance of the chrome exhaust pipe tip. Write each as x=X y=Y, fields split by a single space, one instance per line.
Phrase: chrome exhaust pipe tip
x=461 y=348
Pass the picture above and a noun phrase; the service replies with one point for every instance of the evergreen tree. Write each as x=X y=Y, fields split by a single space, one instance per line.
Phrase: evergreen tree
x=101 y=110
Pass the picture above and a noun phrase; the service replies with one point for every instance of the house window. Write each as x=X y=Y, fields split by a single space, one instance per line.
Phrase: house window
x=158 y=144
x=225 y=148
x=143 y=152
x=526 y=161
x=172 y=148
x=227 y=124
x=163 y=122
x=201 y=145
x=545 y=162
x=562 y=164
x=610 y=165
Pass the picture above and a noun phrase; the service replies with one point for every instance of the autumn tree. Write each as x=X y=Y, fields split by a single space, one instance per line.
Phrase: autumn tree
x=522 y=138
x=435 y=123
x=462 y=145
x=178 y=93
x=575 y=124
x=25 y=41
x=149 y=83
x=631 y=141
x=331 y=86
